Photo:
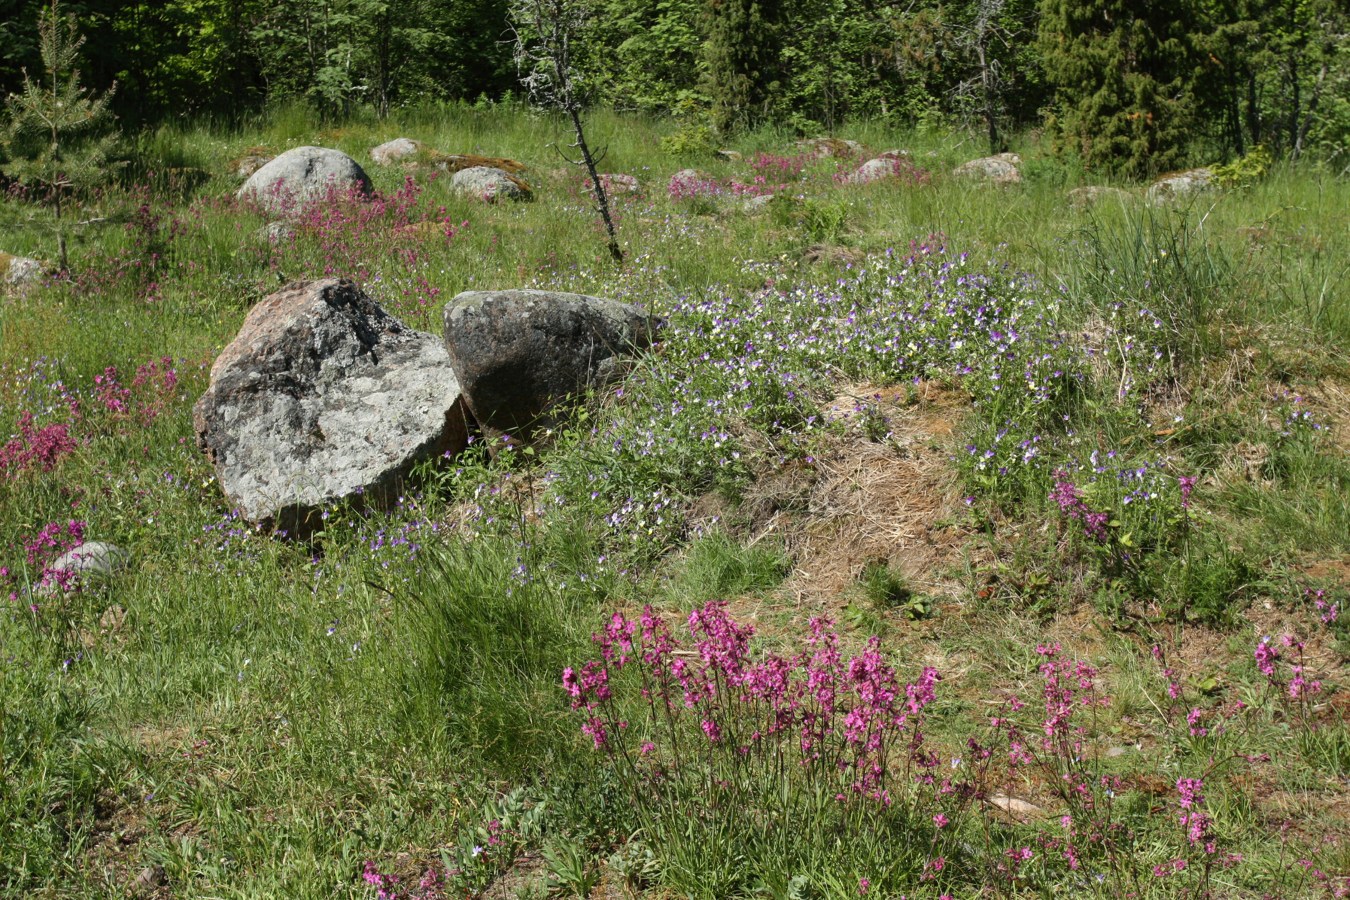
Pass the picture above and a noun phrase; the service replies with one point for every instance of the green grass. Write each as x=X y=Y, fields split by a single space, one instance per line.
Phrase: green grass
x=262 y=718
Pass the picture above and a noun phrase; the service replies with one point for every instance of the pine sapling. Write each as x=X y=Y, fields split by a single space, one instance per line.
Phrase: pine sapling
x=57 y=136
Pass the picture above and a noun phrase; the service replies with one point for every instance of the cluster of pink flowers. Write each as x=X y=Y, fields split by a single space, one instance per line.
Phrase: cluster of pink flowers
x=152 y=389
x=1187 y=484
x=688 y=185
x=431 y=886
x=827 y=714
x=1191 y=798
x=36 y=448
x=1328 y=611
x=1072 y=505
x=1268 y=656
x=41 y=550
x=782 y=168
x=1173 y=686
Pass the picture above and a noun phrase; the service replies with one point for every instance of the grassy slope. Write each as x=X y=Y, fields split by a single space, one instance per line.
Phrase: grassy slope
x=259 y=719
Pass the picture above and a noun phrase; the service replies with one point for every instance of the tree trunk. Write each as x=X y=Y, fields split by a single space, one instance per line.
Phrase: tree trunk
x=598 y=189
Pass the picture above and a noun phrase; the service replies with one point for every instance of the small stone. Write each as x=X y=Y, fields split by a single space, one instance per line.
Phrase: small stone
x=1014 y=805
x=753 y=206
x=111 y=620
x=893 y=164
x=16 y=271
x=1001 y=169
x=392 y=151
x=1180 y=186
x=1093 y=194
x=489 y=184
x=830 y=147
x=84 y=566
x=276 y=232
x=617 y=184
x=148 y=879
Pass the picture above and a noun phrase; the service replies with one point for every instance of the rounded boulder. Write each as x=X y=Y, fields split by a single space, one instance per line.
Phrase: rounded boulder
x=520 y=354
x=302 y=177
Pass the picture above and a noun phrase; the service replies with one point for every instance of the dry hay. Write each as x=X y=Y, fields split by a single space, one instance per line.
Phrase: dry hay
x=832 y=254
x=865 y=502
x=1333 y=401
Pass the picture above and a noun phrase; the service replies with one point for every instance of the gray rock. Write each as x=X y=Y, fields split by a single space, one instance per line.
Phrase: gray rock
x=276 y=232
x=303 y=176
x=19 y=270
x=148 y=881
x=618 y=184
x=488 y=184
x=518 y=354
x=322 y=397
x=1180 y=186
x=1093 y=194
x=828 y=146
x=392 y=151
x=753 y=206
x=83 y=566
x=1000 y=169
x=880 y=169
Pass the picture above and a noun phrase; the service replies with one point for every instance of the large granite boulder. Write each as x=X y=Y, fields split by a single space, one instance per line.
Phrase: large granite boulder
x=519 y=354
x=1001 y=169
x=489 y=184
x=300 y=177
x=1180 y=186
x=322 y=397
x=393 y=151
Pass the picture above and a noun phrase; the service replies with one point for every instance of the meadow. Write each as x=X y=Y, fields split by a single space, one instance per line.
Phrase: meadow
x=954 y=541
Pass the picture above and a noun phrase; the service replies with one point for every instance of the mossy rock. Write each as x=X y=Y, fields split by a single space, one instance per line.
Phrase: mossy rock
x=451 y=163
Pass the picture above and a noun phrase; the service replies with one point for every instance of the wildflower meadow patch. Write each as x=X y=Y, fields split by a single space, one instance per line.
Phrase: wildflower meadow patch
x=698 y=639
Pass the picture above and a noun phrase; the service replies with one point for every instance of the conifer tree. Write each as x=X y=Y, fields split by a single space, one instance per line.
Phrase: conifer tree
x=742 y=55
x=58 y=135
x=1123 y=72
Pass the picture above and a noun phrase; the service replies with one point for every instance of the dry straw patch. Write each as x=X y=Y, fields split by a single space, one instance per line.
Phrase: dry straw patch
x=867 y=501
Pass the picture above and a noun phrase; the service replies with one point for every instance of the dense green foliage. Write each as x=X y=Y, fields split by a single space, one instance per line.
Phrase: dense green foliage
x=1120 y=70
x=1132 y=89
x=743 y=57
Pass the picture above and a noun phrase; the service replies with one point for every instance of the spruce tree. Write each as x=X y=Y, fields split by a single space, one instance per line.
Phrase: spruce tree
x=58 y=134
x=1123 y=74
x=742 y=54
